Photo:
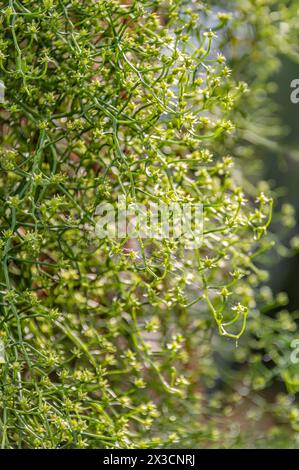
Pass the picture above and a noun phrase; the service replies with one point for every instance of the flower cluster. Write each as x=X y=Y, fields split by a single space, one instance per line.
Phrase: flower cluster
x=106 y=98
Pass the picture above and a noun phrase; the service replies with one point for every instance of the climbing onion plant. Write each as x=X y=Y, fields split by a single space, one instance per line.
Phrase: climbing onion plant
x=108 y=98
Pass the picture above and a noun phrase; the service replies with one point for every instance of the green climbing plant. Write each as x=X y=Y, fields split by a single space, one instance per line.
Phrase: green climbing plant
x=110 y=342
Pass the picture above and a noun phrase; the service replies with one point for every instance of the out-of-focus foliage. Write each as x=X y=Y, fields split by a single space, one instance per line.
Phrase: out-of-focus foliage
x=121 y=343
